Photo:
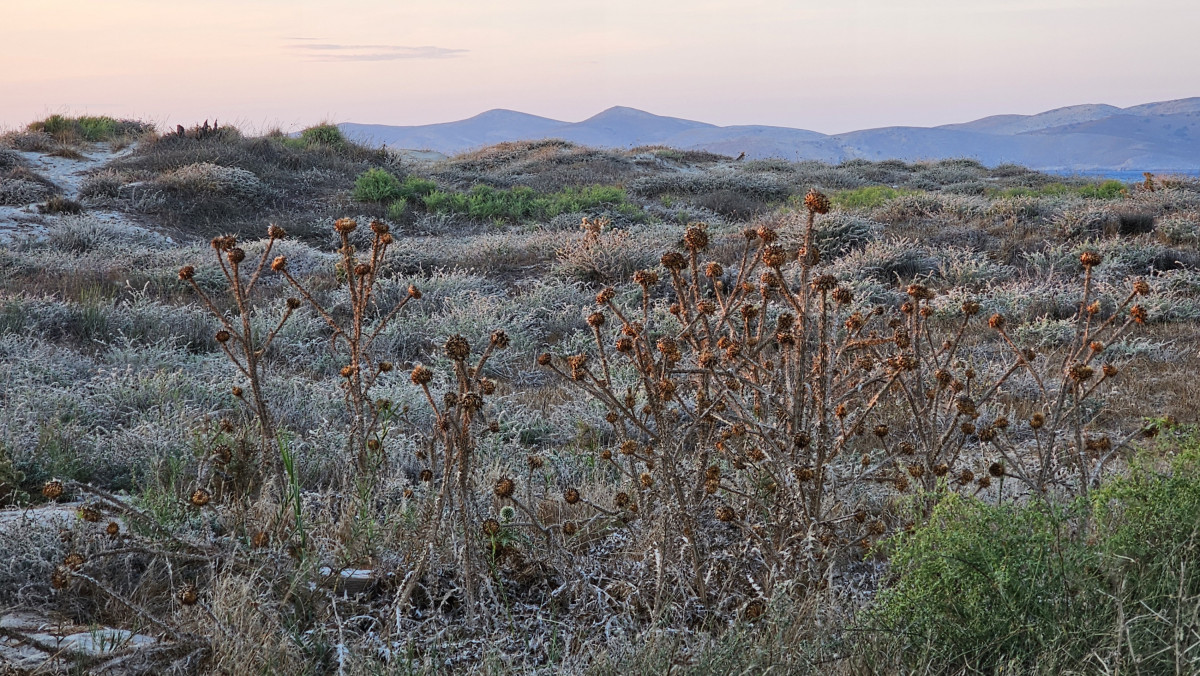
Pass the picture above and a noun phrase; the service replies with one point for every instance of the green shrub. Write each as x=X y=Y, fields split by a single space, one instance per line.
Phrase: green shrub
x=396 y=209
x=1108 y=190
x=87 y=128
x=1044 y=587
x=521 y=203
x=868 y=197
x=376 y=185
x=415 y=188
x=323 y=135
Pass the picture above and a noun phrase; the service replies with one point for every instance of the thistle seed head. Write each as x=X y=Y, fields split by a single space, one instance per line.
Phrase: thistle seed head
x=817 y=202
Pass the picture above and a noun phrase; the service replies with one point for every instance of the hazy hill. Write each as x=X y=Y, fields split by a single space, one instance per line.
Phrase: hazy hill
x=1160 y=136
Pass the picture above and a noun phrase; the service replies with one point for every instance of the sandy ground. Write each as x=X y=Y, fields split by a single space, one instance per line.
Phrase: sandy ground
x=24 y=220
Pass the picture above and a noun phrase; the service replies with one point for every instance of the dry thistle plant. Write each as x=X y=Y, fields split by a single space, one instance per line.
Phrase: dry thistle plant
x=358 y=332
x=767 y=402
x=447 y=454
x=238 y=340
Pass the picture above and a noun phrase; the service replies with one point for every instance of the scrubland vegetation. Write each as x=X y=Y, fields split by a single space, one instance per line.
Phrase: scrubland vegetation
x=538 y=408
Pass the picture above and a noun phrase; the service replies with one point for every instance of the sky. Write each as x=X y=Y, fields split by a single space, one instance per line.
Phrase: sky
x=830 y=66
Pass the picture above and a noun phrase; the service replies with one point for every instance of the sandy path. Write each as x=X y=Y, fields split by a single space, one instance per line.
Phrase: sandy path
x=69 y=175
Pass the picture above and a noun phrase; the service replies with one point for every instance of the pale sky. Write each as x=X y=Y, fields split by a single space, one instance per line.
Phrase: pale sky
x=830 y=66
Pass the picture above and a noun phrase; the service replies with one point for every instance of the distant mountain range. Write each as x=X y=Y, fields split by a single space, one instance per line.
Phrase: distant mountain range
x=1092 y=137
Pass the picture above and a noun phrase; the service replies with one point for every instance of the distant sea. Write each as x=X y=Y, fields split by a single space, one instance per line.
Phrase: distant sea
x=1124 y=176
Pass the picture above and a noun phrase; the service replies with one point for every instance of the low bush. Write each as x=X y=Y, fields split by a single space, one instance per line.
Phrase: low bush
x=868 y=197
x=88 y=128
x=323 y=135
x=376 y=185
x=521 y=204
x=1044 y=587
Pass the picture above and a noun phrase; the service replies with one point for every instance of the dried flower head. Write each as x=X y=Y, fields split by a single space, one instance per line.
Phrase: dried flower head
x=52 y=489
x=457 y=348
x=490 y=527
x=186 y=273
x=674 y=261
x=505 y=488
x=773 y=256
x=1141 y=287
x=1037 y=420
x=695 y=238
x=725 y=513
x=645 y=278
x=1138 y=314
x=200 y=497
x=817 y=202
x=113 y=529
x=996 y=469
x=570 y=528
x=996 y=321
x=188 y=595
x=571 y=496
x=223 y=336
x=276 y=232
x=89 y=513
x=1090 y=259
x=345 y=226
x=713 y=270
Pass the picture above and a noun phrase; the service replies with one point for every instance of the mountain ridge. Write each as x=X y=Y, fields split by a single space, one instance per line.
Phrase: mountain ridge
x=1162 y=135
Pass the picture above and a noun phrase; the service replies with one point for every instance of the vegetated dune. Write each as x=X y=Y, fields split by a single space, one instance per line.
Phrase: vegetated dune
x=549 y=408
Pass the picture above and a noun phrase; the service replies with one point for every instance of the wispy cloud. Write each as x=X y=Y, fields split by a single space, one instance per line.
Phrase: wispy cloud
x=325 y=51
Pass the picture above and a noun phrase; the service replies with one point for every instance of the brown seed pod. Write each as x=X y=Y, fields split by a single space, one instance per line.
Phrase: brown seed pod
x=674 y=261
x=276 y=232
x=499 y=339
x=824 y=283
x=571 y=496
x=490 y=527
x=713 y=270
x=1080 y=372
x=74 y=561
x=345 y=226
x=1037 y=420
x=1090 y=259
x=52 y=489
x=421 y=375
x=645 y=278
x=970 y=308
x=362 y=269
x=379 y=227
x=236 y=255
x=570 y=528
x=595 y=320
x=426 y=476
x=89 y=513
x=1138 y=314
x=223 y=336
x=188 y=595
x=1109 y=371
x=996 y=469
x=817 y=202
x=457 y=348
x=200 y=497
x=646 y=480
x=966 y=476
x=60 y=578
x=236 y=391
x=505 y=488
x=261 y=539
x=773 y=256
x=695 y=238
x=186 y=273
x=1141 y=287
x=347 y=371
x=996 y=321
x=725 y=513
x=984 y=481
x=280 y=264
x=113 y=529
x=621 y=500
